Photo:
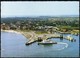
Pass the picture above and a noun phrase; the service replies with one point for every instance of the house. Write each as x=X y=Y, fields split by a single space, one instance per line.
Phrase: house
x=13 y=26
x=5 y=26
x=49 y=29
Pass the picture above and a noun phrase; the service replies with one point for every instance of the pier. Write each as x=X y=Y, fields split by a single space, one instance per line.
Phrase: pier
x=30 y=42
x=35 y=37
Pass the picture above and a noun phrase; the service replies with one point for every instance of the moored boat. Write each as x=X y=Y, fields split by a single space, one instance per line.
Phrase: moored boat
x=45 y=42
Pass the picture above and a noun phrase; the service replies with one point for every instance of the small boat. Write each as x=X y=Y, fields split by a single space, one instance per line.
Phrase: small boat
x=76 y=34
x=45 y=42
x=70 y=38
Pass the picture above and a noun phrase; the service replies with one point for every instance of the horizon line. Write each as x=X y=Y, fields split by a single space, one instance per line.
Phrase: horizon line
x=40 y=15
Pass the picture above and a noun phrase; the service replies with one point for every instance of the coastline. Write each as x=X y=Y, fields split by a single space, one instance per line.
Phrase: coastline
x=11 y=31
x=28 y=35
x=31 y=35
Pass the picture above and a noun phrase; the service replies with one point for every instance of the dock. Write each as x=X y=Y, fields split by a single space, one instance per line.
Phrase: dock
x=34 y=37
x=30 y=42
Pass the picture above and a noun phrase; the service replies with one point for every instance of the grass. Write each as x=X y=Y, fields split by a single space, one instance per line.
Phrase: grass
x=40 y=32
x=23 y=30
x=75 y=31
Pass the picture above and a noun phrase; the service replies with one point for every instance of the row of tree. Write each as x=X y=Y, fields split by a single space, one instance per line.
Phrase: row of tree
x=32 y=23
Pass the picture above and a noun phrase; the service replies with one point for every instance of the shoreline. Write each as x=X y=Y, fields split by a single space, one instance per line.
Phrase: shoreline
x=25 y=34
x=11 y=31
x=32 y=36
x=29 y=35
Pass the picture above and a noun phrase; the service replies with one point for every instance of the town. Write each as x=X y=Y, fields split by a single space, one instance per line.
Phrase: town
x=35 y=28
x=43 y=24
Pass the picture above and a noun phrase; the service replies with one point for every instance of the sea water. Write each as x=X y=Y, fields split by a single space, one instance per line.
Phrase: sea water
x=13 y=45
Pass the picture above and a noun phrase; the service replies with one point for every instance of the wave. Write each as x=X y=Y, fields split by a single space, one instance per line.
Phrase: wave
x=66 y=45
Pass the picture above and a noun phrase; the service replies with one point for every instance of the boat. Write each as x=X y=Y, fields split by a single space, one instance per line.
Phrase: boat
x=45 y=42
x=69 y=37
x=76 y=34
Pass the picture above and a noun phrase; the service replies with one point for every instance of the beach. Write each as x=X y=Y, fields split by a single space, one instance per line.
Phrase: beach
x=30 y=35
x=12 y=31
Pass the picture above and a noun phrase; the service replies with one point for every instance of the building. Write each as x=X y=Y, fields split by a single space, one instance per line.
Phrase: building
x=5 y=26
x=49 y=29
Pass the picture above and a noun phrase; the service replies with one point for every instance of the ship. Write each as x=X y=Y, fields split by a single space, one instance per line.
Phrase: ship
x=45 y=42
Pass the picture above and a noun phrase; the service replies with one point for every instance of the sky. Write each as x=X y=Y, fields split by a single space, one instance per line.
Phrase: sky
x=46 y=8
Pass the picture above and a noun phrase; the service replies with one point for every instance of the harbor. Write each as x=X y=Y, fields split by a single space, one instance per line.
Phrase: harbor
x=16 y=47
x=37 y=38
x=33 y=37
x=40 y=29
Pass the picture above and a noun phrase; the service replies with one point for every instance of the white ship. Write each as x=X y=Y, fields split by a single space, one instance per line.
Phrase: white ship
x=44 y=42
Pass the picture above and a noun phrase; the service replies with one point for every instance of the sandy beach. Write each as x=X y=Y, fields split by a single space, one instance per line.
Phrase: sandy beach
x=31 y=35
x=12 y=31
x=28 y=35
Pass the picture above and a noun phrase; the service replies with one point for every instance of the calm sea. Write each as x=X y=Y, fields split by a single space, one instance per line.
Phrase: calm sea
x=13 y=45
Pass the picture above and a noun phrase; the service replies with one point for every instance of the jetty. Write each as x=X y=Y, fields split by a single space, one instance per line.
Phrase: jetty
x=36 y=37
x=30 y=42
x=33 y=37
